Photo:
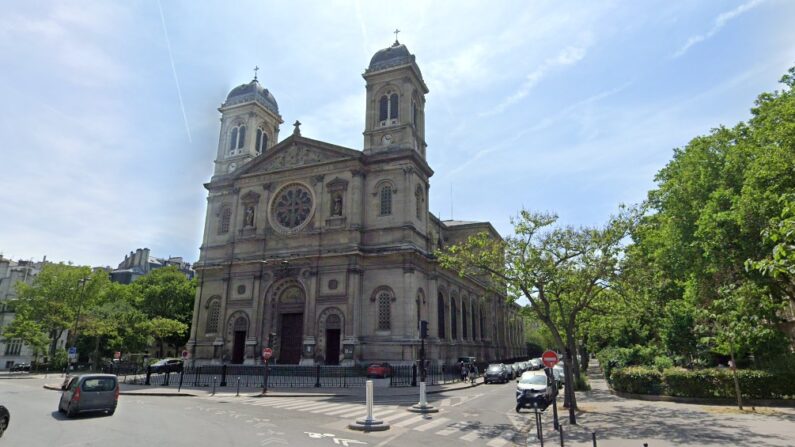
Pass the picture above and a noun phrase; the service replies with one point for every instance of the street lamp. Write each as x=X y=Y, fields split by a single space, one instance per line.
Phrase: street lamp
x=82 y=284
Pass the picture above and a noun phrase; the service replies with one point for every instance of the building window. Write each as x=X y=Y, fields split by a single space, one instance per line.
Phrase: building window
x=262 y=140
x=474 y=323
x=418 y=201
x=213 y=314
x=414 y=113
x=440 y=316
x=482 y=325
x=386 y=200
x=384 y=311
x=13 y=347
x=464 y=320
x=237 y=138
x=388 y=109
x=226 y=220
x=453 y=319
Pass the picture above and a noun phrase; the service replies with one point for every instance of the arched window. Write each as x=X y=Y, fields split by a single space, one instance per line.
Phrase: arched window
x=482 y=325
x=226 y=220
x=213 y=314
x=241 y=324
x=474 y=322
x=262 y=140
x=237 y=138
x=384 y=311
x=386 y=200
x=383 y=109
x=464 y=319
x=393 y=106
x=388 y=108
x=440 y=316
x=418 y=201
x=453 y=319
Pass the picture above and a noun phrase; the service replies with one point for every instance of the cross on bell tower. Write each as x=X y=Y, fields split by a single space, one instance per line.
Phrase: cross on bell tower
x=396 y=31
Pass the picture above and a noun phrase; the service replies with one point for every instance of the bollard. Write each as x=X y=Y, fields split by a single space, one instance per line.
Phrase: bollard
x=181 y=374
x=148 y=374
x=561 y=436
x=223 y=376
x=317 y=377
x=214 y=385
x=238 y=387
x=422 y=406
x=369 y=423
x=593 y=436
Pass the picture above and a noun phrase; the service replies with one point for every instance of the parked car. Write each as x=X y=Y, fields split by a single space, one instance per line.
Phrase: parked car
x=90 y=392
x=21 y=367
x=516 y=371
x=167 y=366
x=536 y=364
x=496 y=372
x=559 y=373
x=5 y=416
x=534 y=391
x=379 y=370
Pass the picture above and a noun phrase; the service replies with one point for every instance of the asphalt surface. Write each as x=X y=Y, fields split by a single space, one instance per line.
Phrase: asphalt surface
x=477 y=416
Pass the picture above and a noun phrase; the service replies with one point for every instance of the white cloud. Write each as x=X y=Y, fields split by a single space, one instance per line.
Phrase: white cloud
x=568 y=56
x=720 y=21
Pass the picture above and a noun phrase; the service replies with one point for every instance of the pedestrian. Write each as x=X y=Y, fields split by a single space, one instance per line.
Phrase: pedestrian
x=464 y=372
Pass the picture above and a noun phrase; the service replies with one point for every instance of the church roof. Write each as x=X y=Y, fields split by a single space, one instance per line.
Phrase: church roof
x=393 y=56
x=253 y=91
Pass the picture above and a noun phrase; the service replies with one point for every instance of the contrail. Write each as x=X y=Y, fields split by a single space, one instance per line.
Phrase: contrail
x=174 y=70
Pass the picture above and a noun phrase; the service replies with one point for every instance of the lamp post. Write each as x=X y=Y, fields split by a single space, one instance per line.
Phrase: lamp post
x=82 y=284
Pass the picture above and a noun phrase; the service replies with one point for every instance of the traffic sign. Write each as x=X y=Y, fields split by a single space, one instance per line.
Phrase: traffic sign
x=267 y=353
x=117 y=355
x=73 y=350
x=185 y=354
x=550 y=359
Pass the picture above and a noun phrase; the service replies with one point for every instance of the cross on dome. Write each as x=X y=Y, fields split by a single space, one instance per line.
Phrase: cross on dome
x=396 y=31
x=256 y=68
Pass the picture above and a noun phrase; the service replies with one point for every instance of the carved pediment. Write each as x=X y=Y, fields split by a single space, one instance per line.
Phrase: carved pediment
x=295 y=152
x=249 y=197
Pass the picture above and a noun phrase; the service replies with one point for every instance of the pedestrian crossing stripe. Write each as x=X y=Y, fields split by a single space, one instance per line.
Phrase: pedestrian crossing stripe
x=393 y=414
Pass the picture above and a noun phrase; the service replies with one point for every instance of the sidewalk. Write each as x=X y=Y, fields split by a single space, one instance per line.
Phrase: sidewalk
x=189 y=391
x=621 y=422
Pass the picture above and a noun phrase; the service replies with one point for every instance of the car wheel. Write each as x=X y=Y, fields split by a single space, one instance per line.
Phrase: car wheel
x=3 y=425
x=518 y=408
x=70 y=412
x=111 y=411
x=60 y=409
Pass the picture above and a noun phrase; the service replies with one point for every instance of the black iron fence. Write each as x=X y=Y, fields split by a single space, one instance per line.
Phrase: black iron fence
x=282 y=376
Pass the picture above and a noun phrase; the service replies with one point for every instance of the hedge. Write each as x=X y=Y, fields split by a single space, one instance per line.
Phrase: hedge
x=705 y=383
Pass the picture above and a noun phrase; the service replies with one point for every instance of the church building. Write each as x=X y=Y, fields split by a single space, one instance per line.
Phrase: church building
x=327 y=252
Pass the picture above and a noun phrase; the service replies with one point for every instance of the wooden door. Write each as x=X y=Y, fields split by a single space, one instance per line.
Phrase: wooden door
x=292 y=335
x=239 y=347
x=332 y=347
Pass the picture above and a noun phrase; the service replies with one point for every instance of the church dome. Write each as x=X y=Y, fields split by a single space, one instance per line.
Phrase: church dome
x=253 y=91
x=393 y=56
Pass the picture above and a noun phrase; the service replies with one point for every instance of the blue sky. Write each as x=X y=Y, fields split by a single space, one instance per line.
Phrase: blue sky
x=109 y=124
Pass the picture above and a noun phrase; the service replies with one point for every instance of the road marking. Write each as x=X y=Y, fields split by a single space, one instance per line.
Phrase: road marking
x=504 y=438
x=431 y=424
x=399 y=415
x=315 y=406
x=408 y=422
x=345 y=409
x=322 y=408
x=450 y=430
x=471 y=436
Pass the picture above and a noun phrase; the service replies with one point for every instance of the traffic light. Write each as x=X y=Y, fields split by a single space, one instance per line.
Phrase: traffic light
x=423 y=329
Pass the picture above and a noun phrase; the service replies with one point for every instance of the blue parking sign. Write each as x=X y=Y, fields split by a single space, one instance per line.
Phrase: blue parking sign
x=73 y=350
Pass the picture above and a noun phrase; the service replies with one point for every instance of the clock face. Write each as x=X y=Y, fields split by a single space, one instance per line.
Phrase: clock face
x=292 y=207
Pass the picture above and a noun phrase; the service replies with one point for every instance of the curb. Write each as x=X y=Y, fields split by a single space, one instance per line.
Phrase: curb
x=132 y=393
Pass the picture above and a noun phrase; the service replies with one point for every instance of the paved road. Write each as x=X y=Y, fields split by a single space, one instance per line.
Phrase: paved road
x=477 y=416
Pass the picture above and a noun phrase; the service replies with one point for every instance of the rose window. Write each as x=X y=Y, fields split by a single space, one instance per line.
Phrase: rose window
x=292 y=206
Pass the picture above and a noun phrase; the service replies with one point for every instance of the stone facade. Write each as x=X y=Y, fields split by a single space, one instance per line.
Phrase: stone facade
x=326 y=251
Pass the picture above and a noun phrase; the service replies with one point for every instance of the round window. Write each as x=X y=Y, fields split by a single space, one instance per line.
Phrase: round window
x=292 y=207
x=241 y=289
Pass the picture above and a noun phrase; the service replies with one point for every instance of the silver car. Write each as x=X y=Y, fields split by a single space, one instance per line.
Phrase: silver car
x=90 y=392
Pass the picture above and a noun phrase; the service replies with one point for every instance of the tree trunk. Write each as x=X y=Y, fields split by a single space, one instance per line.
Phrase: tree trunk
x=96 y=353
x=734 y=374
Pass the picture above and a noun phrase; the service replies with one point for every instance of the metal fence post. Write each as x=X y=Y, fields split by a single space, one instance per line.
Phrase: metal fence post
x=238 y=387
x=148 y=374
x=317 y=377
x=414 y=375
x=593 y=437
x=196 y=376
x=223 y=375
x=214 y=385
x=561 y=435
x=181 y=374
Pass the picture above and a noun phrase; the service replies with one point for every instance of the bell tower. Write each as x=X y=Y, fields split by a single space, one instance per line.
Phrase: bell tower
x=249 y=126
x=395 y=110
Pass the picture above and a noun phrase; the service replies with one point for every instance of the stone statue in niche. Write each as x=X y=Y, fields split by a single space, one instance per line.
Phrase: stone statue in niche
x=336 y=209
x=248 y=221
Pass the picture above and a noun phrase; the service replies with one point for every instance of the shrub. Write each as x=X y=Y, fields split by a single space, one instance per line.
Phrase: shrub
x=662 y=362
x=704 y=383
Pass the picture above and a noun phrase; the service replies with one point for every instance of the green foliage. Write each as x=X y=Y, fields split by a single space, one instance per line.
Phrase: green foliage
x=662 y=362
x=704 y=383
x=614 y=358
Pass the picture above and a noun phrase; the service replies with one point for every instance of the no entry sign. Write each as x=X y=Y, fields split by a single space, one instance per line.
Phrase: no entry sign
x=549 y=359
x=267 y=353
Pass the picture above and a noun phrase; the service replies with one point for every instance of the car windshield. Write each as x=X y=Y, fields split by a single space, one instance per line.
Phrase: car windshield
x=534 y=380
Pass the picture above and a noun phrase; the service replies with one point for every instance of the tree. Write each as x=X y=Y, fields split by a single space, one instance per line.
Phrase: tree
x=166 y=328
x=59 y=296
x=166 y=293
x=561 y=271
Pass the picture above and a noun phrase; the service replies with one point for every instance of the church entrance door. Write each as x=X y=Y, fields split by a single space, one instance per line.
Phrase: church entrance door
x=291 y=338
x=239 y=347
x=332 y=347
